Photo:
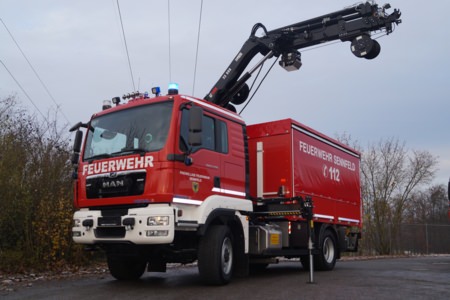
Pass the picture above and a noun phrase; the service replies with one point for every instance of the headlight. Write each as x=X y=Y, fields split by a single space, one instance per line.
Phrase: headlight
x=76 y=222
x=158 y=221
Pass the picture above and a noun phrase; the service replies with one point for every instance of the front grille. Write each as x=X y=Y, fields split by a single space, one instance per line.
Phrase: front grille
x=112 y=185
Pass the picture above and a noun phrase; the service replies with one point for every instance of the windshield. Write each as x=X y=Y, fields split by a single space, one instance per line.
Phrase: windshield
x=135 y=130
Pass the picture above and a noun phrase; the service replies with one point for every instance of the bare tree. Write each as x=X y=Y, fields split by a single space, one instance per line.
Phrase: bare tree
x=390 y=174
x=429 y=206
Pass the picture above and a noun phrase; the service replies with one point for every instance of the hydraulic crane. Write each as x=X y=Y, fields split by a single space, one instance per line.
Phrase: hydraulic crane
x=354 y=24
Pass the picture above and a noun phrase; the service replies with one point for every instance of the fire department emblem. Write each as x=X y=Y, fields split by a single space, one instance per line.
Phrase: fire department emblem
x=195 y=186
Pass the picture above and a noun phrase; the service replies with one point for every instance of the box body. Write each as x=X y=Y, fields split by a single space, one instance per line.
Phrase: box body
x=289 y=159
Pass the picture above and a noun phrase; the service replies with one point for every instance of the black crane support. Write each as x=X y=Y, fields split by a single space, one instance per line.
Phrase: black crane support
x=307 y=213
x=353 y=24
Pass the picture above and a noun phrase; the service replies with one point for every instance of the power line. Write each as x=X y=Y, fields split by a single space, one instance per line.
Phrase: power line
x=23 y=90
x=126 y=47
x=198 y=42
x=259 y=85
x=170 y=52
x=58 y=108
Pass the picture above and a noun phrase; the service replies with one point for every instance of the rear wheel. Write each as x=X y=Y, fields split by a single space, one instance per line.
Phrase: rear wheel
x=215 y=255
x=126 y=268
x=326 y=259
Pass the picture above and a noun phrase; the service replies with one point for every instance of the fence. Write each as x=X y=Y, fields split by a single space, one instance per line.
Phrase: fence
x=424 y=239
x=409 y=239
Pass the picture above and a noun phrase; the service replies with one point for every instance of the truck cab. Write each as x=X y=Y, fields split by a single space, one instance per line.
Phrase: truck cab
x=140 y=153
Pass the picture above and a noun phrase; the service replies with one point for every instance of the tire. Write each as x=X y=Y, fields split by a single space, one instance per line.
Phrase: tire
x=216 y=256
x=326 y=259
x=126 y=268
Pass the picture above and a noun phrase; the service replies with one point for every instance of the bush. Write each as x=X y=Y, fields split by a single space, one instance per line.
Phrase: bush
x=35 y=193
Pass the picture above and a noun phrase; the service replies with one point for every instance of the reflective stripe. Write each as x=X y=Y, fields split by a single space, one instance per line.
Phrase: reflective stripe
x=230 y=192
x=187 y=201
x=323 y=217
x=348 y=220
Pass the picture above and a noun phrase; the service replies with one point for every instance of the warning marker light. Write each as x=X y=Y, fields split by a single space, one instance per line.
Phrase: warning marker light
x=106 y=104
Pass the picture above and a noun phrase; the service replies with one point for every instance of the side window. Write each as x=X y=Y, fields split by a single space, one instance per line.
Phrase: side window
x=221 y=136
x=214 y=134
x=208 y=134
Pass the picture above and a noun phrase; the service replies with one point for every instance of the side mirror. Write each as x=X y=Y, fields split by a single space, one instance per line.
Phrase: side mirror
x=195 y=126
x=77 y=147
x=77 y=126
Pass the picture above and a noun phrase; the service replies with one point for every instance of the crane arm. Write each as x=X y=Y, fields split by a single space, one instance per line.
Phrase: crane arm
x=353 y=24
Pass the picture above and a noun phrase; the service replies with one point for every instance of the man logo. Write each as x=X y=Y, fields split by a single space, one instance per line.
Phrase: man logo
x=113 y=184
x=195 y=186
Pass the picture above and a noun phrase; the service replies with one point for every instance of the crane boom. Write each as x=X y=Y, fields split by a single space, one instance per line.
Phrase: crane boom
x=353 y=24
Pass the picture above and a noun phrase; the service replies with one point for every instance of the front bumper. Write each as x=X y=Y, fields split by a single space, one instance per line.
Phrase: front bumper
x=154 y=224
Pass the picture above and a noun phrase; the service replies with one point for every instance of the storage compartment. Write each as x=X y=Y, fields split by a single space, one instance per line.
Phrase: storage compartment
x=262 y=238
x=299 y=235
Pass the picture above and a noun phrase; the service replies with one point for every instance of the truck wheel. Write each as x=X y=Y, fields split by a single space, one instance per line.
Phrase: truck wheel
x=326 y=259
x=215 y=255
x=126 y=268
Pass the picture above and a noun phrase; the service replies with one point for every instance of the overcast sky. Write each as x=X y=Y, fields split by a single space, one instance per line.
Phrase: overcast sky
x=77 y=49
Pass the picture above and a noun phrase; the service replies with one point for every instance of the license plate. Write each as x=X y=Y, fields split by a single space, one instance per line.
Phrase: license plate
x=109 y=221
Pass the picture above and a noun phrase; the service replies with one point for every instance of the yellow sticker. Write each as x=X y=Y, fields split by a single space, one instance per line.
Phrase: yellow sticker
x=274 y=239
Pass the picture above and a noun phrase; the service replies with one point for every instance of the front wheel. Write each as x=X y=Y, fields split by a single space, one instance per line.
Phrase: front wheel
x=126 y=268
x=326 y=259
x=216 y=256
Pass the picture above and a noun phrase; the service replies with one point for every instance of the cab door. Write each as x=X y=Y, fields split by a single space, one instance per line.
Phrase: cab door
x=194 y=181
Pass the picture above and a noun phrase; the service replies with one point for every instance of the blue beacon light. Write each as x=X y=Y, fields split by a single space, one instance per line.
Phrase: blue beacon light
x=173 y=88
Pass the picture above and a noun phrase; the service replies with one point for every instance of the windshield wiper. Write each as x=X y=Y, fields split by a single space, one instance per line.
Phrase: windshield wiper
x=124 y=151
x=128 y=150
x=99 y=156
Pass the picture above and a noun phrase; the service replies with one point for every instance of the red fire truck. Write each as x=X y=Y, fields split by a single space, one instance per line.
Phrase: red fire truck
x=177 y=179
